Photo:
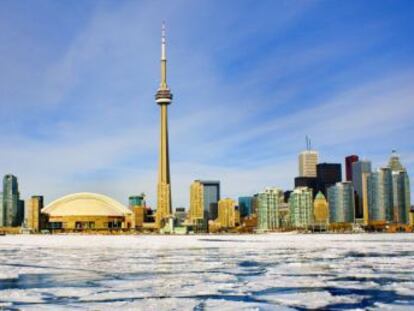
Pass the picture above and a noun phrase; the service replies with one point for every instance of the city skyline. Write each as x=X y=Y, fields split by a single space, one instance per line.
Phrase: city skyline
x=106 y=141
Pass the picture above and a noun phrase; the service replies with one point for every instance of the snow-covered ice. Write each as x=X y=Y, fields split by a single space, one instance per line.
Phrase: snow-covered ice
x=207 y=272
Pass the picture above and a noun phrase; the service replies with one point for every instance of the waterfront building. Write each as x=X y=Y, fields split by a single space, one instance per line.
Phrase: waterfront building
x=300 y=207
x=328 y=174
x=204 y=197
x=341 y=202
x=380 y=196
x=33 y=218
x=87 y=211
x=246 y=206
x=359 y=168
x=13 y=207
x=401 y=197
x=137 y=205
x=308 y=182
x=307 y=163
x=163 y=98
x=228 y=216
x=320 y=210
x=348 y=166
x=268 y=203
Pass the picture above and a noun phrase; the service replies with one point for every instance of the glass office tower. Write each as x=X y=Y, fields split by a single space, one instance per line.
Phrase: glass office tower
x=341 y=203
x=401 y=197
x=358 y=169
x=380 y=196
x=13 y=208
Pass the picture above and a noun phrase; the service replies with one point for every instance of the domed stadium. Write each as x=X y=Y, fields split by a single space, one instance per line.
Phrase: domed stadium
x=87 y=211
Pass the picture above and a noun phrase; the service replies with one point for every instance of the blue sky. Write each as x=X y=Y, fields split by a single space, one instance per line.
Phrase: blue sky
x=250 y=80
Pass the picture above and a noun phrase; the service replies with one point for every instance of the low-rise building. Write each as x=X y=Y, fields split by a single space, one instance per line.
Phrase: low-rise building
x=87 y=211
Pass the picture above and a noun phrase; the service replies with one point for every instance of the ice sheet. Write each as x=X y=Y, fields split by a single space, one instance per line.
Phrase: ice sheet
x=207 y=272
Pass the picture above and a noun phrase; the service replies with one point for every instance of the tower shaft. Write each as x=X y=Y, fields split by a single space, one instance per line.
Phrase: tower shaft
x=163 y=98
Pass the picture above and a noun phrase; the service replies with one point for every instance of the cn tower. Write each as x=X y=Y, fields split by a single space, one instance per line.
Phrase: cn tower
x=163 y=97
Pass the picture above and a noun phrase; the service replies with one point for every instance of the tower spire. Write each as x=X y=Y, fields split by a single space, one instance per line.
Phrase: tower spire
x=163 y=42
x=163 y=84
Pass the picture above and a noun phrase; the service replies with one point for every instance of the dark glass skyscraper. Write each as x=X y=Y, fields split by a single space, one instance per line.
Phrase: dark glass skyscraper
x=13 y=207
x=328 y=174
x=211 y=197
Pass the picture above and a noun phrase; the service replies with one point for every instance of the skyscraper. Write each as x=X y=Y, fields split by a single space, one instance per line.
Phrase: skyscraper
x=204 y=197
x=348 y=166
x=380 y=196
x=268 y=203
x=13 y=209
x=341 y=203
x=33 y=216
x=401 y=197
x=307 y=163
x=328 y=174
x=163 y=97
x=300 y=207
x=401 y=190
x=227 y=213
x=358 y=169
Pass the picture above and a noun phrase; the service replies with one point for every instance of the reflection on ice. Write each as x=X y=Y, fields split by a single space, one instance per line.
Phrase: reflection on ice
x=265 y=272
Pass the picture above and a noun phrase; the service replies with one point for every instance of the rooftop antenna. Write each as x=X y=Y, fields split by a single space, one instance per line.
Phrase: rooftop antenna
x=308 y=143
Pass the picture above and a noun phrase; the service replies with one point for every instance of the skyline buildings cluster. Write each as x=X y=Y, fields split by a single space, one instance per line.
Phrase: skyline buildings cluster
x=321 y=199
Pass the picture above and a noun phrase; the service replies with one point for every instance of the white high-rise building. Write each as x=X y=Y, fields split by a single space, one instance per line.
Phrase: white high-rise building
x=307 y=163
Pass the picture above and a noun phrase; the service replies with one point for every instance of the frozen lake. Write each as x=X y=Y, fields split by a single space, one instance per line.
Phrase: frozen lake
x=244 y=272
